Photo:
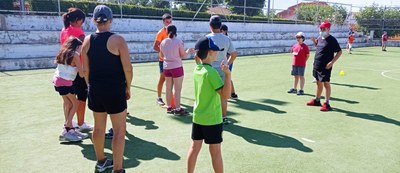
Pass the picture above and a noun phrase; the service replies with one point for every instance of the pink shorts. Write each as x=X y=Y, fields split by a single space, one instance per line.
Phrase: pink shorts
x=174 y=73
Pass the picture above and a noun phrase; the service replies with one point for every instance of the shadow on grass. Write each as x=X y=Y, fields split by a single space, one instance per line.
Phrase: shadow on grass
x=254 y=106
x=188 y=119
x=356 y=86
x=155 y=91
x=264 y=138
x=149 y=125
x=336 y=99
x=273 y=102
x=136 y=149
x=368 y=116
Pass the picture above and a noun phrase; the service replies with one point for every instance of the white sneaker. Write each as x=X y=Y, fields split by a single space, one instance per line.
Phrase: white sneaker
x=85 y=127
x=75 y=124
x=80 y=134
x=69 y=136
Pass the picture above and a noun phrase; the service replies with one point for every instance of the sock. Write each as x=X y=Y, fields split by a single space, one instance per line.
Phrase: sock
x=317 y=99
x=69 y=128
x=327 y=101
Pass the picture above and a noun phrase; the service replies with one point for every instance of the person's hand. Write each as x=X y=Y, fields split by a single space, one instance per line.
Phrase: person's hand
x=128 y=93
x=329 y=65
x=313 y=39
x=225 y=68
x=191 y=50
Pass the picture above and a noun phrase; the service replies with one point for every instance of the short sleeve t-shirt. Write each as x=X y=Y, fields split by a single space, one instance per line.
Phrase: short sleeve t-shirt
x=170 y=48
x=300 y=52
x=384 y=37
x=325 y=50
x=70 y=31
x=223 y=42
x=161 y=35
x=207 y=106
x=351 y=38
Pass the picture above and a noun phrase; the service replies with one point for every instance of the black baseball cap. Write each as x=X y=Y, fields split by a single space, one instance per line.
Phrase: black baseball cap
x=102 y=13
x=205 y=44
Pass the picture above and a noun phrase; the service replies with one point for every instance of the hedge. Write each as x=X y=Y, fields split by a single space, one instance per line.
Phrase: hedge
x=6 y=5
x=134 y=11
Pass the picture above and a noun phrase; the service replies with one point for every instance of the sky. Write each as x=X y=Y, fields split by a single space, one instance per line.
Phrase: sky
x=284 y=4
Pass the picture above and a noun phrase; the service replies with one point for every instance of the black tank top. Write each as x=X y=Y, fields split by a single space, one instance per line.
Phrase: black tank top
x=105 y=68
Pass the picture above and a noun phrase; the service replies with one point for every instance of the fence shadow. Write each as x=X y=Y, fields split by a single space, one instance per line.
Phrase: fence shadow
x=355 y=86
x=368 y=116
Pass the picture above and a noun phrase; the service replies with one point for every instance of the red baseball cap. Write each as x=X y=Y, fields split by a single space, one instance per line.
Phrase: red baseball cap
x=325 y=24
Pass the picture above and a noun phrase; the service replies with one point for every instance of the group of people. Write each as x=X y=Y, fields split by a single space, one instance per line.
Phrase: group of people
x=97 y=67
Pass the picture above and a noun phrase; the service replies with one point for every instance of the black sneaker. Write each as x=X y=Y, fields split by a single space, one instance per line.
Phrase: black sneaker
x=119 y=171
x=160 y=102
x=170 y=110
x=300 y=92
x=234 y=96
x=225 y=120
x=101 y=167
x=110 y=134
x=181 y=112
x=292 y=90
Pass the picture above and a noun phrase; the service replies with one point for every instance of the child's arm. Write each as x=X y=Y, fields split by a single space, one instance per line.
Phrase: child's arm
x=315 y=41
x=78 y=64
x=232 y=58
x=225 y=91
x=183 y=53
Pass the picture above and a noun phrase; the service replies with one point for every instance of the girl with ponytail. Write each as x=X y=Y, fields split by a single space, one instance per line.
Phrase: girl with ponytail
x=172 y=50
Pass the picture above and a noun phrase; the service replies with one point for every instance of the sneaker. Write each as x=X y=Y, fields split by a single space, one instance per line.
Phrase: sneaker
x=170 y=110
x=326 y=107
x=85 y=127
x=69 y=136
x=225 y=120
x=101 y=167
x=75 y=124
x=300 y=92
x=313 y=102
x=314 y=80
x=160 y=101
x=80 y=134
x=234 y=96
x=110 y=134
x=181 y=112
x=292 y=90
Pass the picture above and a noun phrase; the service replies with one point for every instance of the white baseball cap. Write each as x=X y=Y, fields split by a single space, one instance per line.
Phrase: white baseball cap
x=301 y=34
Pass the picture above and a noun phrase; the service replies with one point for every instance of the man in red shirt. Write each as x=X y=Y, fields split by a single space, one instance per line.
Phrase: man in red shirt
x=350 y=42
x=384 y=40
x=300 y=52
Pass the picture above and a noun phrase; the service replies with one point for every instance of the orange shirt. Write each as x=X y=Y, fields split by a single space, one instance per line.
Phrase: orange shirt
x=351 y=39
x=161 y=35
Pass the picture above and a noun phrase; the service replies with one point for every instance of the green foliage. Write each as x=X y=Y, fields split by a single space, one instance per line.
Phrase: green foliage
x=379 y=19
x=249 y=3
x=6 y=5
x=318 y=13
x=193 y=7
x=159 y=4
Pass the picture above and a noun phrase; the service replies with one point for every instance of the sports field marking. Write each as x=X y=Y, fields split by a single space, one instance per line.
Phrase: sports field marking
x=386 y=76
x=308 y=140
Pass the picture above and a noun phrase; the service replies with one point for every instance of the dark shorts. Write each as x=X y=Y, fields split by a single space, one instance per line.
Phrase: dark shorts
x=230 y=67
x=174 y=73
x=210 y=134
x=111 y=100
x=323 y=75
x=64 y=90
x=161 y=66
x=80 y=88
x=298 y=70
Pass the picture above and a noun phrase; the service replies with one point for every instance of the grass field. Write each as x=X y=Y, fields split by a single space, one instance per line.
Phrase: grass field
x=273 y=131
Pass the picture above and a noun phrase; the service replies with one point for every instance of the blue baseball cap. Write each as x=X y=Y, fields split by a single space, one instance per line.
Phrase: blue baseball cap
x=205 y=44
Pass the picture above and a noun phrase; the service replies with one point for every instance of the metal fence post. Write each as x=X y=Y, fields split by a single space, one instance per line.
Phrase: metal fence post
x=59 y=7
x=244 y=12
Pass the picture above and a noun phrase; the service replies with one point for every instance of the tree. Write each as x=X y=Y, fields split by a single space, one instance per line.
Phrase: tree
x=193 y=5
x=379 y=19
x=320 y=12
x=249 y=3
x=159 y=4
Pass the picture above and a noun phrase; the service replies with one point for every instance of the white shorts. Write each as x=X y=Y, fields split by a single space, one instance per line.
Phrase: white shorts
x=350 y=45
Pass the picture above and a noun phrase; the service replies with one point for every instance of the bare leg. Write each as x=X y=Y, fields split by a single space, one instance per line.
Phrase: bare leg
x=302 y=81
x=216 y=157
x=160 y=84
x=118 y=142
x=192 y=155
x=100 y=121
x=178 y=89
x=327 y=86
x=296 y=81
x=319 y=89
x=168 y=90
x=233 y=88
x=66 y=107
x=73 y=106
x=80 y=112
x=224 y=105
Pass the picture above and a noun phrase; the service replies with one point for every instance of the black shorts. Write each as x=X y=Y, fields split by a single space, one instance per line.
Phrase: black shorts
x=80 y=88
x=211 y=134
x=110 y=100
x=322 y=75
x=64 y=90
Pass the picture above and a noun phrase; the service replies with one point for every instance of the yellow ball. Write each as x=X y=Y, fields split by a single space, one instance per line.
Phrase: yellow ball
x=341 y=73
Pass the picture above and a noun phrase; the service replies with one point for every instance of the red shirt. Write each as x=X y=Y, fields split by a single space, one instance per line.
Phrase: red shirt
x=300 y=52
x=384 y=37
x=70 y=31
x=351 y=39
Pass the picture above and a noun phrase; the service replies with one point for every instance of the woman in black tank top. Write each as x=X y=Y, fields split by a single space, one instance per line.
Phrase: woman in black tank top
x=108 y=74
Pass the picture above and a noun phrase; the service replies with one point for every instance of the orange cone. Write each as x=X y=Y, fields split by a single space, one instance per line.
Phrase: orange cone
x=173 y=102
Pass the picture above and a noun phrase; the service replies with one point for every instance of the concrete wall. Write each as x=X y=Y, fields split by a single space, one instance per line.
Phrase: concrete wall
x=29 y=41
